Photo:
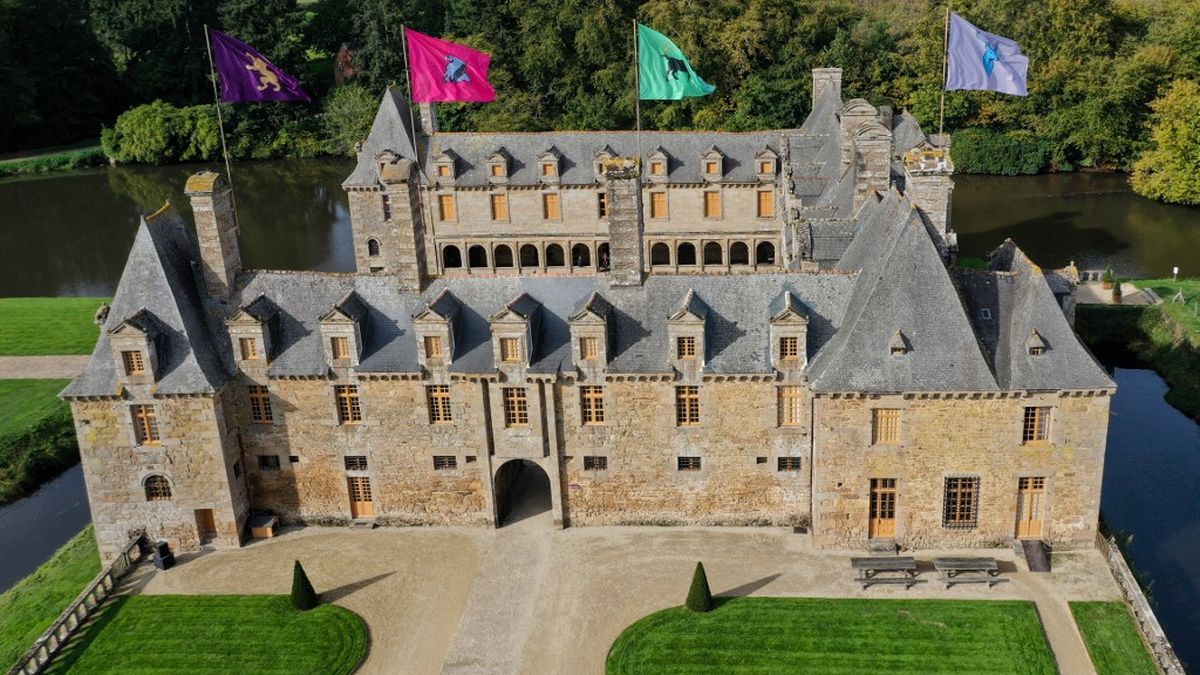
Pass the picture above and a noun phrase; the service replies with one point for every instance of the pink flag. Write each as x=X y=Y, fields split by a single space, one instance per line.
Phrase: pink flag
x=445 y=71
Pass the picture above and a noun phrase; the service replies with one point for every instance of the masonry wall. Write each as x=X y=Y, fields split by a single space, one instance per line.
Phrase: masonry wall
x=191 y=455
x=958 y=437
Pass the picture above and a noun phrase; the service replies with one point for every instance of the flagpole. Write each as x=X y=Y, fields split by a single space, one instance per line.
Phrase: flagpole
x=217 y=101
x=945 y=65
x=427 y=206
x=637 y=93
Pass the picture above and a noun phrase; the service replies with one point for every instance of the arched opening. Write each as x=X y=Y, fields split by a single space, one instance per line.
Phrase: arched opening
x=451 y=257
x=602 y=257
x=503 y=256
x=581 y=256
x=713 y=254
x=158 y=488
x=739 y=253
x=477 y=256
x=660 y=254
x=529 y=256
x=554 y=256
x=685 y=254
x=372 y=247
x=522 y=491
x=764 y=253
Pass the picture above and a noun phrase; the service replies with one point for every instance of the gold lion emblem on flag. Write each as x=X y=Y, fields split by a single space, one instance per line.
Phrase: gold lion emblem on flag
x=266 y=77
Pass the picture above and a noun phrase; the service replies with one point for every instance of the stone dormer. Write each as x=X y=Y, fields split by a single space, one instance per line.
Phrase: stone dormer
x=658 y=165
x=591 y=335
x=712 y=165
x=686 y=336
x=855 y=113
x=602 y=155
x=899 y=345
x=499 y=164
x=789 y=334
x=342 y=330
x=252 y=330
x=435 y=328
x=766 y=164
x=1035 y=345
x=549 y=166
x=135 y=348
x=393 y=168
x=445 y=168
x=873 y=148
x=514 y=334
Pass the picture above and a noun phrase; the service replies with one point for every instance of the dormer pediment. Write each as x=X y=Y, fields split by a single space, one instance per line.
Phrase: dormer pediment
x=595 y=309
x=444 y=307
x=259 y=310
x=520 y=309
x=859 y=107
x=899 y=345
x=1035 y=345
x=349 y=309
x=767 y=152
x=787 y=309
x=140 y=324
x=658 y=164
x=873 y=131
x=690 y=310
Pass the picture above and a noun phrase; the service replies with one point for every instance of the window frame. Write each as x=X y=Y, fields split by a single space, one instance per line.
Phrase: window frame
x=510 y=350
x=712 y=205
x=960 y=502
x=433 y=347
x=689 y=463
x=886 y=426
x=355 y=462
x=157 y=488
x=761 y=212
x=659 y=207
x=589 y=348
x=339 y=348
x=551 y=206
x=348 y=404
x=595 y=462
x=445 y=462
x=133 y=362
x=447 y=208
x=145 y=424
x=790 y=400
x=259 y=397
x=789 y=348
x=685 y=347
x=1035 y=425
x=437 y=402
x=268 y=463
x=602 y=205
x=515 y=401
x=687 y=405
x=591 y=405
x=789 y=464
x=498 y=205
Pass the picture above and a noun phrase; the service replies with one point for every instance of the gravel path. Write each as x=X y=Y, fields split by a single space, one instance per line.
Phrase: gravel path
x=41 y=367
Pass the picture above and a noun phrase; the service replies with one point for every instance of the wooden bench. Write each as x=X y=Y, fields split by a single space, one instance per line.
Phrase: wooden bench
x=967 y=571
x=869 y=570
x=263 y=527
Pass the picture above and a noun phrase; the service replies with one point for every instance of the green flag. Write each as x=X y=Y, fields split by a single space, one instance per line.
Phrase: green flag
x=663 y=71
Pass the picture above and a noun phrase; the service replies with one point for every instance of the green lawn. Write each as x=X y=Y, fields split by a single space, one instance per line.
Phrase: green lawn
x=1186 y=315
x=183 y=634
x=35 y=326
x=1112 y=639
x=25 y=403
x=817 y=635
x=37 y=438
x=27 y=609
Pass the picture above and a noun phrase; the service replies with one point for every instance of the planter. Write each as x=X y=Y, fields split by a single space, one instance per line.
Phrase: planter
x=1108 y=285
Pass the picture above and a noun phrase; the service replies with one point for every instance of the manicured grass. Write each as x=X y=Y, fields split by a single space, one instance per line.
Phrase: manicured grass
x=37 y=438
x=80 y=156
x=217 y=634
x=1185 y=314
x=28 y=609
x=36 y=326
x=818 y=635
x=1112 y=639
x=25 y=403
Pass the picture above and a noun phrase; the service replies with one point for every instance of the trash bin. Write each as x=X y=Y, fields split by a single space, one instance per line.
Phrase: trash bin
x=163 y=558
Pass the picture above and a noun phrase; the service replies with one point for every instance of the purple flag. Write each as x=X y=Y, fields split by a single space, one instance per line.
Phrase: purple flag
x=247 y=75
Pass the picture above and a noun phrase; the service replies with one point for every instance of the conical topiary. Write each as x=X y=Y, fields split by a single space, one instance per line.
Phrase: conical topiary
x=303 y=595
x=699 y=598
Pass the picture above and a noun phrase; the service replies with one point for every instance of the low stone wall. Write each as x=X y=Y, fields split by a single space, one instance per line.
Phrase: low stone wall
x=1152 y=632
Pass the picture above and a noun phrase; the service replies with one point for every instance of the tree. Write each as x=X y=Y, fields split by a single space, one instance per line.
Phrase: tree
x=304 y=597
x=1170 y=169
x=348 y=113
x=699 y=597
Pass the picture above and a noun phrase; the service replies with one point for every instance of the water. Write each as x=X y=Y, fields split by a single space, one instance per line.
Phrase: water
x=1150 y=478
x=32 y=529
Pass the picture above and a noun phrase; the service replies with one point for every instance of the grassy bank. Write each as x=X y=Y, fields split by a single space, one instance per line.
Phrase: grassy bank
x=37 y=436
x=28 y=609
x=217 y=634
x=36 y=326
x=817 y=635
x=64 y=159
x=1112 y=639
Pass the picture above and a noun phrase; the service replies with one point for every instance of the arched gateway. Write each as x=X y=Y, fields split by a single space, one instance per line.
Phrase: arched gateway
x=522 y=491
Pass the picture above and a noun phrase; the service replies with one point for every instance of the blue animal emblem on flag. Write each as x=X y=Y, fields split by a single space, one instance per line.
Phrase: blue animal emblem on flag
x=456 y=70
x=990 y=56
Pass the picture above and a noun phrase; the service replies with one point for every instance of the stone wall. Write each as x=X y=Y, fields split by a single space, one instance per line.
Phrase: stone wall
x=943 y=437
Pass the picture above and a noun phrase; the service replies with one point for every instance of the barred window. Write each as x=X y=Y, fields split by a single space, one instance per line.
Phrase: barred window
x=510 y=349
x=348 y=408
x=355 y=462
x=885 y=426
x=249 y=348
x=134 y=363
x=788 y=464
x=1036 y=428
x=687 y=463
x=437 y=396
x=433 y=347
x=595 y=463
x=789 y=347
x=685 y=347
x=791 y=406
x=260 y=404
x=340 y=348
x=589 y=348
x=602 y=205
x=687 y=405
x=516 y=407
x=445 y=462
x=145 y=424
x=268 y=462
x=591 y=404
x=158 y=489
x=961 y=504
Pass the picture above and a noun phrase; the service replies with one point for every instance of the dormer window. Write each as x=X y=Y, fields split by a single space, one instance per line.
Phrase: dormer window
x=713 y=164
x=342 y=331
x=134 y=348
x=444 y=167
x=766 y=163
x=686 y=336
x=1035 y=344
x=789 y=347
x=589 y=348
x=712 y=167
x=898 y=345
x=498 y=170
x=789 y=332
x=250 y=331
x=134 y=362
x=766 y=166
x=497 y=166
x=1037 y=351
x=658 y=168
x=433 y=347
x=435 y=327
x=602 y=155
x=444 y=170
x=659 y=165
x=590 y=330
x=340 y=348
x=248 y=347
x=685 y=347
x=549 y=170
x=548 y=165
x=510 y=350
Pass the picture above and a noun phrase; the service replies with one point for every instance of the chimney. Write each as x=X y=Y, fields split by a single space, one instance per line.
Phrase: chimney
x=929 y=185
x=826 y=80
x=622 y=178
x=216 y=232
x=427 y=121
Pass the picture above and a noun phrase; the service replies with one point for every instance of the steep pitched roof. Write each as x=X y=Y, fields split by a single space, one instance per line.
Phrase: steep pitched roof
x=389 y=131
x=159 y=280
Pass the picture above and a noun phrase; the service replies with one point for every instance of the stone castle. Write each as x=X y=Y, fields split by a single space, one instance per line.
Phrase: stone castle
x=675 y=328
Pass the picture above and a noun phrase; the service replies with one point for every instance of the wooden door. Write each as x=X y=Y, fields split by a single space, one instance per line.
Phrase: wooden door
x=883 y=508
x=206 y=523
x=1030 y=494
x=361 y=505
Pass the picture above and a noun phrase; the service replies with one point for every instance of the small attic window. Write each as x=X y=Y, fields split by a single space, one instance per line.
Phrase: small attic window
x=1037 y=351
x=497 y=170
x=1035 y=344
x=549 y=169
x=712 y=167
x=766 y=166
x=443 y=170
x=898 y=345
x=985 y=314
x=658 y=167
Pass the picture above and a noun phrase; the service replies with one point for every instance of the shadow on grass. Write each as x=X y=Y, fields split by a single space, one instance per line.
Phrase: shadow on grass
x=78 y=645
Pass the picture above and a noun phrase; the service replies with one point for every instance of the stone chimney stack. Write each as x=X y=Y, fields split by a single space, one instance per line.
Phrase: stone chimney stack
x=427 y=122
x=929 y=185
x=826 y=80
x=216 y=231
x=873 y=152
x=622 y=176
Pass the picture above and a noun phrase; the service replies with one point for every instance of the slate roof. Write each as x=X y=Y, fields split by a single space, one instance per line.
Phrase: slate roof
x=389 y=131
x=159 y=281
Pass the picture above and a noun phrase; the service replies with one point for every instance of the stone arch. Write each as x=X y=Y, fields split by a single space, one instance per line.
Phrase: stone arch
x=529 y=256
x=764 y=253
x=502 y=256
x=714 y=254
x=477 y=256
x=372 y=247
x=522 y=490
x=581 y=255
x=739 y=253
x=451 y=257
x=685 y=254
x=554 y=256
x=660 y=254
x=157 y=487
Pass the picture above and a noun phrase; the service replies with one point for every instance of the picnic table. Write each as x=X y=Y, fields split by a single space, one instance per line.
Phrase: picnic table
x=870 y=569
x=968 y=570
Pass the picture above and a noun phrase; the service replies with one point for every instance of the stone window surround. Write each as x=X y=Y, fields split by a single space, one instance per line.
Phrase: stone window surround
x=144 y=481
x=130 y=418
x=699 y=241
x=438 y=214
x=649 y=212
x=490 y=244
x=720 y=203
x=774 y=204
x=492 y=202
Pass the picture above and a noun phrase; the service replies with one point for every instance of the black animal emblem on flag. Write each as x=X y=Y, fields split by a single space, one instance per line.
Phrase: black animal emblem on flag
x=456 y=70
x=676 y=67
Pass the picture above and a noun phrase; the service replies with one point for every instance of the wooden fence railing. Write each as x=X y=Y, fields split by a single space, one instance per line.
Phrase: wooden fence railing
x=51 y=642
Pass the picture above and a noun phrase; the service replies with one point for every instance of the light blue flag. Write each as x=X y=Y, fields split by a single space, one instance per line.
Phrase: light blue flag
x=980 y=60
